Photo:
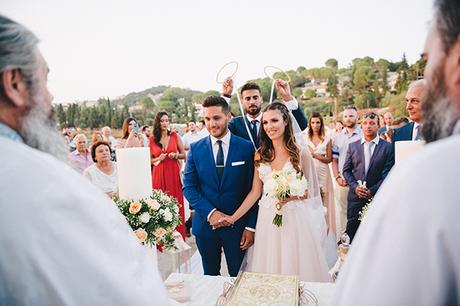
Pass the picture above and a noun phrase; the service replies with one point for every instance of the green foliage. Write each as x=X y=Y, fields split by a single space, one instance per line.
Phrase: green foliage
x=297 y=92
x=395 y=102
x=310 y=93
x=363 y=83
x=332 y=63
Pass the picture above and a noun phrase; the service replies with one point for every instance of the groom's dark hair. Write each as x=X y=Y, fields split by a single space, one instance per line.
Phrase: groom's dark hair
x=216 y=101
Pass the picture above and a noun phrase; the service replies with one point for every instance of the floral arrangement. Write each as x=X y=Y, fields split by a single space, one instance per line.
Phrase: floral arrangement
x=287 y=185
x=365 y=209
x=153 y=219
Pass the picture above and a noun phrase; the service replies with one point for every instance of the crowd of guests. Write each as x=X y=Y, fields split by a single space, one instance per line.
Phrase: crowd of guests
x=338 y=166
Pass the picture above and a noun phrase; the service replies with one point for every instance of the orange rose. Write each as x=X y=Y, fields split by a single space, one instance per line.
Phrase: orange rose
x=135 y=207
x=159 y=232
x=141 y=234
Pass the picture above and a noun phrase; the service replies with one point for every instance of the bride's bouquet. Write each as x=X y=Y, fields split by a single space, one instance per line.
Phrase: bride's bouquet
x=153 y=219
x=287 y=185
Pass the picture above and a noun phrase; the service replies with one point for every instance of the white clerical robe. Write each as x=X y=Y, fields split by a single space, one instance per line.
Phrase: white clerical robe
x=63 y=242
x=407 y=250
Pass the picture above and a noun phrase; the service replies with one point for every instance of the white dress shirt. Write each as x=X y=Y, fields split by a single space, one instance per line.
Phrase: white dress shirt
x=258 y=123
x=407 y=249
x=225 y=145
x=414 y=130
x=367 y=158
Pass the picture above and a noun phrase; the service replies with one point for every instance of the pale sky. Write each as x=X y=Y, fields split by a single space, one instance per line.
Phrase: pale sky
x=111 y=48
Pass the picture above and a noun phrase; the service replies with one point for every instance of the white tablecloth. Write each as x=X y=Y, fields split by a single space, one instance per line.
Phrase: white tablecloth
x=205 y=290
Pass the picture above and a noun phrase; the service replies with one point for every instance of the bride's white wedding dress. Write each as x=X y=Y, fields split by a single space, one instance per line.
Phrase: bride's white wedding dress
x=295 y=247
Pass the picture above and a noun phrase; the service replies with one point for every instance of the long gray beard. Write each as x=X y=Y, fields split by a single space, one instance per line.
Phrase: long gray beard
x=440 y=118
x=440 y=114
x=39 y=130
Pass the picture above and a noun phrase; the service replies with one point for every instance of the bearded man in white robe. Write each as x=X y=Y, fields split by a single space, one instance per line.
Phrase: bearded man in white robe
x=407 y=250
x=62 y=241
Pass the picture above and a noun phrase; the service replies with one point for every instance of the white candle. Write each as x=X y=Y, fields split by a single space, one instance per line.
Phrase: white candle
x=134 y=174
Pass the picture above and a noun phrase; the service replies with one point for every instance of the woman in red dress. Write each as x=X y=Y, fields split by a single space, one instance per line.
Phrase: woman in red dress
x=166 y=149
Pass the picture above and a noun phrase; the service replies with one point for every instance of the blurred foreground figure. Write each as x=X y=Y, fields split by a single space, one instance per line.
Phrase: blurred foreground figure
x=62 y=241
x=407 y=250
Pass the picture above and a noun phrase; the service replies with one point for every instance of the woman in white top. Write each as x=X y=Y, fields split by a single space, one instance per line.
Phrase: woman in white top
x=320 y=145
x=103 y=173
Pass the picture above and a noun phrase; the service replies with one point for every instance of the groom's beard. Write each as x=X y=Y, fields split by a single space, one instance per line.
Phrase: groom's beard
x=440 y=113
x=39 y=129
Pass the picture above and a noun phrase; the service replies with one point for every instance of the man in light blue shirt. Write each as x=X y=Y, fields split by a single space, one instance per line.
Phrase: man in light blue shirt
x=349 y=134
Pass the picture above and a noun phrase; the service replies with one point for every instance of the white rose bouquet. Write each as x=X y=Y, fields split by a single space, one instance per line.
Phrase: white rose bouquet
x=289 y=185
x=153 y=219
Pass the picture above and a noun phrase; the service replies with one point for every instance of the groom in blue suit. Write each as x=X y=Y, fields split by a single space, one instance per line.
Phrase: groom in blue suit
x=368 y=160
x=218 y=176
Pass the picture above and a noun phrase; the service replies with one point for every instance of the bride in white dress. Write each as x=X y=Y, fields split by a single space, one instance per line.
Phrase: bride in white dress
x=293 y=248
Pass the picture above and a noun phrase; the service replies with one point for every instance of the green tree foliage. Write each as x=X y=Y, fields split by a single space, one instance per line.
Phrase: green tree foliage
x=363 y=83
x=332 y=63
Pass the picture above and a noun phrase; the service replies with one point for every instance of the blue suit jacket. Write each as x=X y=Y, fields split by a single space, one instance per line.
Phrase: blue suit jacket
x=404 y=132
x=237 y=127
x=353 y=170
x=382 y=130
x=203 y=191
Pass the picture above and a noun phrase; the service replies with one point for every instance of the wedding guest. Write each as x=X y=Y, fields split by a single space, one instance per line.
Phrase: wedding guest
x=96 y=137
x=66 y=134
x=349 y=134
x=145 y=132
x=369 y=160
x=80 y=158
x=412 y=246
x=131 y=137
x=63 y=242
x=320 y=145
x=388 y=118
x=338 y=126
x=193 y=134
x=381 y=121
x=201 y=125
x=107 y=134
x=166 y=149
x=412 y=131
x=103 y=173
x=251 y=98
x=400 y=122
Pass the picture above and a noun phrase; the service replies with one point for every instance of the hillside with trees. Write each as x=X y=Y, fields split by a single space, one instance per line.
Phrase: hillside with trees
x=365 y=83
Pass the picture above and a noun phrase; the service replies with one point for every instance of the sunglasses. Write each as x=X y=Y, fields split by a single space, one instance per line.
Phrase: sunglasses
x=370 y=115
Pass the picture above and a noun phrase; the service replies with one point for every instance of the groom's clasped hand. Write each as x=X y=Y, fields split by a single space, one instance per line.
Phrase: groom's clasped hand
x=219 y=219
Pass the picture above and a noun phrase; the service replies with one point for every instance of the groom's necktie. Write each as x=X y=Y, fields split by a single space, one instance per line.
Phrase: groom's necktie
x=254 y=131
x=220 y=160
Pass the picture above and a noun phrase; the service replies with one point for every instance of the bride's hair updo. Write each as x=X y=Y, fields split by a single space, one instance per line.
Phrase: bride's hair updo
x=266 y=152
